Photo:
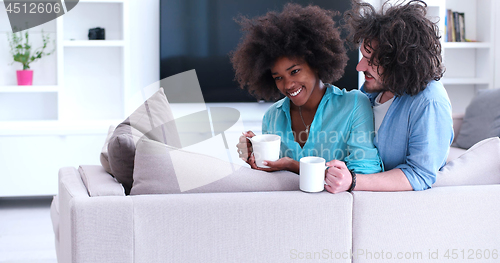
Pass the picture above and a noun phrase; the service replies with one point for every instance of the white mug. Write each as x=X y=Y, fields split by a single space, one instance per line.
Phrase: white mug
x=312 y=174
x=266 y=147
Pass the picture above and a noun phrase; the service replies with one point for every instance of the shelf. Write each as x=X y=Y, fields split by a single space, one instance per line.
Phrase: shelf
x=94 y=43
x=55 y=128
x=464 y=81
x=95 y=1
x=467 y=45
x=251 y=116
x=14 y=88
x=249 y=111
x=102 y=1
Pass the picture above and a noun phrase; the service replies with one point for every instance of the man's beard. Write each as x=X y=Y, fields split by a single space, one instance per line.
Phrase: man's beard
x=370 y=88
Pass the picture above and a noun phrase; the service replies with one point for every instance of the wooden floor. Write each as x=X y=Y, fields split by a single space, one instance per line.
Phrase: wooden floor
x=26 y=233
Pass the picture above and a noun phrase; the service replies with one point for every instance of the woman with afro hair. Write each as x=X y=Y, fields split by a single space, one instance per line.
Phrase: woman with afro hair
x=296 y=53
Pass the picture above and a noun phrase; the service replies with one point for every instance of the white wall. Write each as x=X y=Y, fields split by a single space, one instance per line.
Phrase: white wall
x=497 y=45
x=144 y=35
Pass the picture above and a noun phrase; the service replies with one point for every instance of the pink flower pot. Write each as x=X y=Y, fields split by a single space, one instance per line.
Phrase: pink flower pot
x=25 y=77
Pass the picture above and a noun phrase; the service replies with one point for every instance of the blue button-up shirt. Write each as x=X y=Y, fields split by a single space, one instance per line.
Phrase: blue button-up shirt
x=342 y=129
x=416 y=133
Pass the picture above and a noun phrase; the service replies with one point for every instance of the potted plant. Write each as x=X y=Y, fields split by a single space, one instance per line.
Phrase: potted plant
x=22 y=53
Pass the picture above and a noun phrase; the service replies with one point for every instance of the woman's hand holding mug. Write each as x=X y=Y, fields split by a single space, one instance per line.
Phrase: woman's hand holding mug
x=245 y=149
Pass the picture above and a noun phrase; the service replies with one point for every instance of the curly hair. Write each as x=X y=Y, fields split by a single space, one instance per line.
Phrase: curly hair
x=407 y=44
x=307 y=33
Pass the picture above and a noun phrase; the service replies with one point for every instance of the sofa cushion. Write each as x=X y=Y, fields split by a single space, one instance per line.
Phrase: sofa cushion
x=153 y=114
x=243 y=227
x=413 y=225
x=121 y=152
x=454 y=153
x=163 y=169
x=482 y=119
x=98 y=182
x=477 y=166
x=104 y=151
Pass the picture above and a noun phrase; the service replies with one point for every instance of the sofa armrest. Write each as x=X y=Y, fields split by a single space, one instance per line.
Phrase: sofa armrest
x=458 y=119
x=457 y=217
x=92 y=229
x=99 y=182
x=279 y=226
x=70 y=186
x=54 y=217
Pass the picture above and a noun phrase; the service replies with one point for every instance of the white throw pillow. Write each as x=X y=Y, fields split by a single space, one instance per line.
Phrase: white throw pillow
x=163 y=169
x=479 y=165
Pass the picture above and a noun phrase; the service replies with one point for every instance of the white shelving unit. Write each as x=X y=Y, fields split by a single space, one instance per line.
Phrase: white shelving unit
x=469 y=65
x=36 y=89
x=62 y=120
x=87 y=43
x=450 y=45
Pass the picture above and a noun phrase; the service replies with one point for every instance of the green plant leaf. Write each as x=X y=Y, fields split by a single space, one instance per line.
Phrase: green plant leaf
x=21 y=52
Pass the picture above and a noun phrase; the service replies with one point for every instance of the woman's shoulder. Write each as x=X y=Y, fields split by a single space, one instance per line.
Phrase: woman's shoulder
x=347 y=97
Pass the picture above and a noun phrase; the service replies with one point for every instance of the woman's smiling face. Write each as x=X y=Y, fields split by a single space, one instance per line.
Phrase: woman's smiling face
x=295 y=79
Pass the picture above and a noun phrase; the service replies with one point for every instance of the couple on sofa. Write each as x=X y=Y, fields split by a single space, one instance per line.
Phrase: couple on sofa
x=299 y=51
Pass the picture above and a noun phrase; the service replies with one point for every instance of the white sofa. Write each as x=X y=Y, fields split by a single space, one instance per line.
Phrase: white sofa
x=272 y=226
x=455 y=152
x=95 y=222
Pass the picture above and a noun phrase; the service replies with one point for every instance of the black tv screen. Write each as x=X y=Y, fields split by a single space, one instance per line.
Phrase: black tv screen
x=200 y=34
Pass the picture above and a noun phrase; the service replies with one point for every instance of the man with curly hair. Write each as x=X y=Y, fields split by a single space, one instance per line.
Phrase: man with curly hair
x=296 y=53
x=402 y=67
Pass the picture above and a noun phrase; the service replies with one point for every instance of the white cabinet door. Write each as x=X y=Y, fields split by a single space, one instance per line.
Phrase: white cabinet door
x=30 y=164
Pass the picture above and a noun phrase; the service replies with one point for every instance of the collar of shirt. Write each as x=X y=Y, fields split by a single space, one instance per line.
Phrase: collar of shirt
x=317 y=124
x=285 y=104
x=371 y=96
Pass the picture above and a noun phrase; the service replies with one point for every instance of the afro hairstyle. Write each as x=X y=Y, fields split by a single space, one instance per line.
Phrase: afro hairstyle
x=307 y=33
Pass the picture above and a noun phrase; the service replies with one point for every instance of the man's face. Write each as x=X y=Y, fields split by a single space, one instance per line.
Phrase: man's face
x=373 y=82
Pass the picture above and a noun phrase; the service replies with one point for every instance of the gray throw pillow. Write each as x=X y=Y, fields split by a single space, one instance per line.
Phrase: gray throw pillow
x=162 y=169
x=482 y=119
x=121 y=153
x=153 y=119
x=103 y=157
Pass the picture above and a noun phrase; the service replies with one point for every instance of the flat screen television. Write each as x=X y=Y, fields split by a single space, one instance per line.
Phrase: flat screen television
x=200 y=34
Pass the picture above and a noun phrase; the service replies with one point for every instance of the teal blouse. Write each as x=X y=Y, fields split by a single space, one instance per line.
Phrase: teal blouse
x=342 y=129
